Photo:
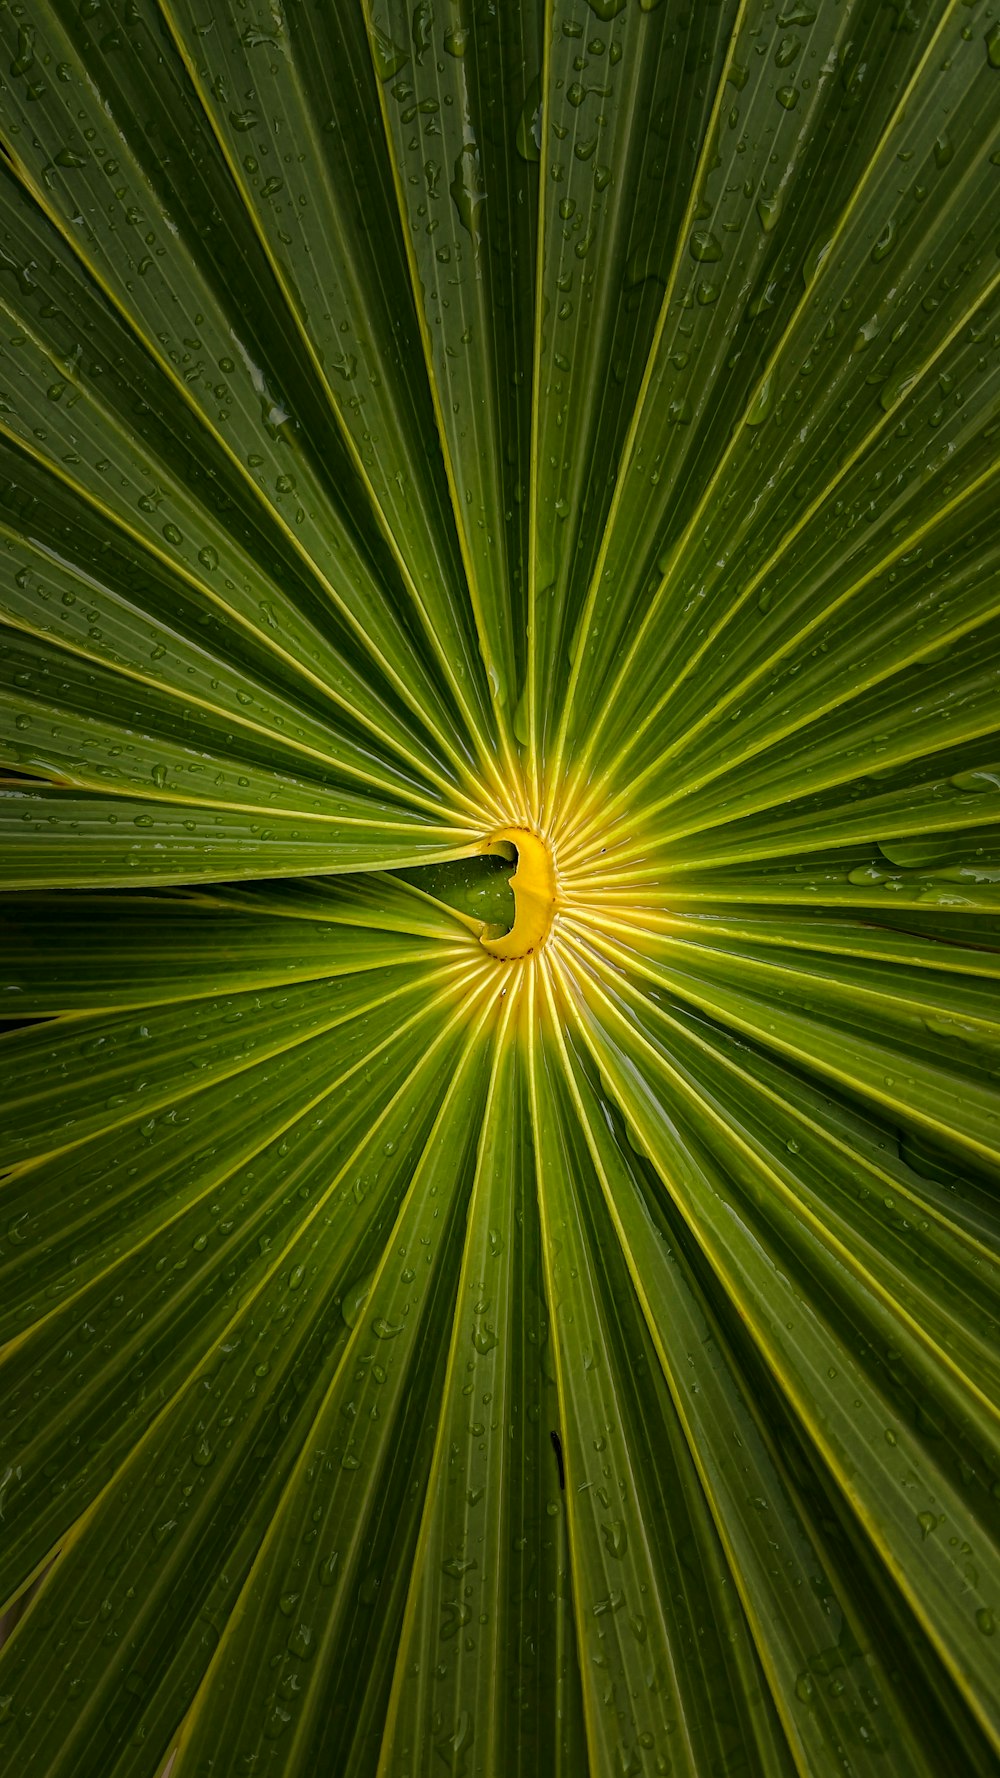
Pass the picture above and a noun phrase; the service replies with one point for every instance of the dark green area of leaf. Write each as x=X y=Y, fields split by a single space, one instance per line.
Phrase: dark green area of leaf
x=479 y=887
x=421 y=418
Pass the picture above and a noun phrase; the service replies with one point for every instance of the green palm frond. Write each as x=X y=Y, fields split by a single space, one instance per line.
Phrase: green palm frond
x=498 y=878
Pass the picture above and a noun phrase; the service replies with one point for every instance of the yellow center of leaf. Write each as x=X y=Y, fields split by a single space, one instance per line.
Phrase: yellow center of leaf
x=536 y=894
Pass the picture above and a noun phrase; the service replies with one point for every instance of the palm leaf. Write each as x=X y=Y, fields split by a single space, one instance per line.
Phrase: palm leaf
x=498 y=861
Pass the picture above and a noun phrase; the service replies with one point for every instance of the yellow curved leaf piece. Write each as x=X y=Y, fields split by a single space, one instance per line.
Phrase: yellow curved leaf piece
x=536 y=894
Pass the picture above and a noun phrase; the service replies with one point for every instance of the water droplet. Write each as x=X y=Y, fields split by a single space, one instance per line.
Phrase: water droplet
x=420 y=28
x=981 y=779
x=704 y=245
x=355 y=1299
x=389 y=57
x=453 y=1748
x=528 y=138
x=814 y=259
x=468 y=189
x=895 y=389
x=768 y=209
x=612 y=1601
x=277 y=1721
x=368 y=1590
x=455 y=1567
x=884 y=243
x=615 y=1538
x=300 y=1642
x=762 y=402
